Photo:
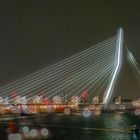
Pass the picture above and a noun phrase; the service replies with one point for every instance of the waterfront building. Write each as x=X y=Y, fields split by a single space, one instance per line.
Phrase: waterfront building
x=118 y=100
x=95 y=100
x=136 y=103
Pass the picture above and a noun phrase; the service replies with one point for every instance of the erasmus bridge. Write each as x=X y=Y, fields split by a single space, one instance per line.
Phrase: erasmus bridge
x=91 y=72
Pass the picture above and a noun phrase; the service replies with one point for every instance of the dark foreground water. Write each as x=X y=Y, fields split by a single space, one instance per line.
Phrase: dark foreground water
x=107 y=126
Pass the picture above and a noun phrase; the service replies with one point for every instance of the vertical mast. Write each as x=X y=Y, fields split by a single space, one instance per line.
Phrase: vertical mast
x=110 y=88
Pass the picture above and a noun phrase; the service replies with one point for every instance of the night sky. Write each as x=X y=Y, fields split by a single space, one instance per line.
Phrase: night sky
x=38 y=33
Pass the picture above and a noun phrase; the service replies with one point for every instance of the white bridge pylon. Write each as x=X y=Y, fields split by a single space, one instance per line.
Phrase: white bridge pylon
x=119 y=51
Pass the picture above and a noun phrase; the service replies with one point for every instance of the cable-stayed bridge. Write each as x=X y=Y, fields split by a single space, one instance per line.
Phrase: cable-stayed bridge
x=81 y=77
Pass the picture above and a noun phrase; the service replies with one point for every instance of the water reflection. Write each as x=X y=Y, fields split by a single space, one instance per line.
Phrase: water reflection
x=107 y=126
x=116 y=120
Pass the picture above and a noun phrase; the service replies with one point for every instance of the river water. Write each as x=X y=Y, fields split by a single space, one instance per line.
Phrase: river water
x=107 y=126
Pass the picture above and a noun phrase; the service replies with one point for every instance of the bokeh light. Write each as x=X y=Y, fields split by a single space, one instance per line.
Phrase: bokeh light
x=44 y=132
x=16 y=136
x=25 y=129
x=33 y=133
x=86 y=112
x=67 y=111
x=49 y=108
x=137 y=112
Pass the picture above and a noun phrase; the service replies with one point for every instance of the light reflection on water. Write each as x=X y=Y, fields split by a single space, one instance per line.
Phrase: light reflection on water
x=107 y=126
x=118 y=121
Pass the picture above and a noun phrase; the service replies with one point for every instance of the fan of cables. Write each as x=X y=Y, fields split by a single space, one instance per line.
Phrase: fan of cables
x=89 y=70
